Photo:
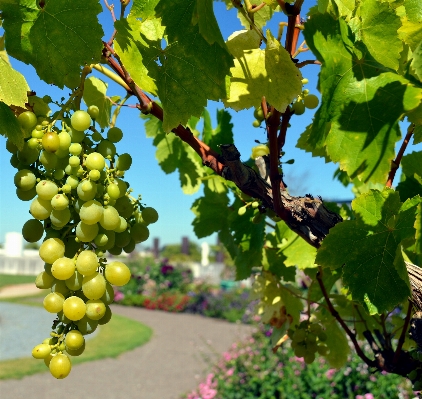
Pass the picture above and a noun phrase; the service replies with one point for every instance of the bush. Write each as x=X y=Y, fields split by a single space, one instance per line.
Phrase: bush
x=250 y=370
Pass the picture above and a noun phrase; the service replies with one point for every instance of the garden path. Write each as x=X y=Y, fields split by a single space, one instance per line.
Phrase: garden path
x=171 y=363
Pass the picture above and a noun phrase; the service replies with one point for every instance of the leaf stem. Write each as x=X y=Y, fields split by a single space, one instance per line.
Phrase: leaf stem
x=118 y=108
x=396 y=163
x=111 y=75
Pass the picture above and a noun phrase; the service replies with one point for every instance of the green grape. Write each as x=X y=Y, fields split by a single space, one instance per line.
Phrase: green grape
x=59 y=202
x=130 y=247
x=300 y=351
x=305 y=81
x=47 y=99
x=101 y=240
x=74 y=282
x=51 y=250
x=11 y=147
x=150 y=215
x=96 y=136
x=106 y=148
x=59 y=174
x=76 y=136
x=76 y=352
x=48 y=160
x=122 y=186
x=111 y=236
x=27 y=120
x=87 y=263
x=74 y=339
x=60 y=366
x=41 y=351
x=65 y=140
x=72 y=247
x=256 y=123
x=94 y=175
x=60 y=218
x=315 y=328
x=93 y=286
x=60 y=287
x=124 y=206
x=260 y=150
x=113 y=191
x=25 y=180
x=44 y=280
x=66 y=188
x=95 y=309
x=242 y=210
x=322 y=336
x=117 y=273
x=53 y=302
x=47 y=360
x=72 y=181
x=305 y=92
x=91 y=212
x=74 y=309
x=106 y=318
x=108 y=296
x=298 y=107
x=116 y=251
x=139 y=232
x=14 y=161
x=311 y=101
x=27 y=155
x=114 y=134
x=95 y=161
x=122 y=239
x=86 y=232
x=32 y=230
x=322 y=349
x=124 y=162
x=86 y=190
x=80 y=120
x=86 y=325
x=255 y=204
x=300 y=335
x=93 y=111
x=26 y=195
x=311 y=338
x=110 y=218
x=46 y=189
x=258 y=114
x=63 y=268
x=51 y=141
x=309 y=357
x=37 y=134
x=33 y=143
x=122 y=226
x=74 y=161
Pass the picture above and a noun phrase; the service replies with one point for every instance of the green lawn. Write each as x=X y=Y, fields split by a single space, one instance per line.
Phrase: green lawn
x=119 y=335
x=9 y=279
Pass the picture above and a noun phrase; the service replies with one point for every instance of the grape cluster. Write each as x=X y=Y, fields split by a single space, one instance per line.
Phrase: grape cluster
x=74 y=179
x=304 y=100
x=308 y=339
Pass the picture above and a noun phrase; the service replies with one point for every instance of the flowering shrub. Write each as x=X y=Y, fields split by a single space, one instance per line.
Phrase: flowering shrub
x=167 y=301
x=250 y=370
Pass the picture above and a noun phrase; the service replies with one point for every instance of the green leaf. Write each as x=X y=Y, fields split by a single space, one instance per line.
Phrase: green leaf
x=189 y=71
x=337 y=343
x=417 y=61
x=372 y=240
x=417 y=135
x=3 y=54
x=243 y=40
x=95 y=94
x=13 y=86
x=413 y=10
x=362 y=102
x=312 y=143
x=409 y=188
x=345 y=8
x=418 y=230
x=222 y=134
x=329 y=277
x=38 y=106
x=270 y=73
x=143 y=8
x=128 y=45
x=294 y=306
x=9 y=126
x=274 y=263
x=260 y=18
x=208 y=26
x=411 y=30
x=57 y=39
x=380 y=21
x=412 y=163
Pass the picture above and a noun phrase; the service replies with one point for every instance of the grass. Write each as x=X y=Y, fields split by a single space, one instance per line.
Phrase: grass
x=119 y=335
x=10 y=279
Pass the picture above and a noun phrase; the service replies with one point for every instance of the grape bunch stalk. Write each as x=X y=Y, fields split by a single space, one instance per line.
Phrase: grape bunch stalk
x=73 y=177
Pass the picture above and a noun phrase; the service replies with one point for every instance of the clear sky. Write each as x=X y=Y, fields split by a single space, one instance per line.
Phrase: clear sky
x=163 y=192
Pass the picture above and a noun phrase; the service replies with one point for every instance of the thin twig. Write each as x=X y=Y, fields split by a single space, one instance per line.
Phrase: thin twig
x=396 y=163
x=113 y=16
x=308 y=62
x=403 y=334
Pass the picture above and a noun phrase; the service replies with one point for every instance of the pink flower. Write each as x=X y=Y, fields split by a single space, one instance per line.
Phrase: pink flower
x=359 y=397
x=118 y=296
x=227 y=356
x=369 y=396
x=330 y=373
x=230 y=372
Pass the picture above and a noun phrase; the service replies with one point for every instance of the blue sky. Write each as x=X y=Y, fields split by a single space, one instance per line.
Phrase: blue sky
x=163 y=192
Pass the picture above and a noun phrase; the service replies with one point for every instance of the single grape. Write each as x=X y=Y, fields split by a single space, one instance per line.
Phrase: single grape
x=74 y=161
x=124 y=206
x=40 y=209
x=124 y=162
x=48 y=160
x=60 y=287
x=116 y=251
x=106 y=318
x=60 y=366
x=74 y=339
x=95 y=161
x=41 y=351
x=93 y=111
x=74 y=309
x=150 y=215
x=76 y=136
x=44 y=280
x=298 y=107
x=63 y=268
x=74 y=282
x=46 y=189
x=256 y=123
x=258 y=114
x=72 y=181
x=305 y=81
x=76 y=352
x=130 y=247
x=86 y=232
x=27 y=120
x=309 y=357
x=59 y=174
x=113 y=191
x=139 y=232
x=108 y=296
x=110 y=241
x=60 y=218
x=117 y=273
x=65 y=140
x=242 y=210
x=110 y=219
x=11 y=147
x=26 y=195
x=53 y=302
x=51 y=250
x=96 y=136
x=86 y=325
x=299 y=335
x=51 y=141
x=27 y=155
x=87 y=263
x=47 y=99
x=86 y=190
x=322 y=336
x=80 y=120
x=91 y=212
x=114 y=134
x=93 y=286
x=95 y=309
x=32 y=230
x=311 y=101
x=122 y=186
x=101 y=240
x=94 y=175
x=33 y=143
x=322 y=350
x=122 y=226
x=106 y=148
x=122 y=239
x=59 y=202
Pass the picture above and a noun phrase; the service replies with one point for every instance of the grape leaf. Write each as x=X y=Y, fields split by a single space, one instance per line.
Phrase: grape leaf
x=360 y=127
x=13 y=86
x=208 y=26
x=274 y=263
x=345 y=8
x=380 y=20
x=243 y=40
x=95 y=94
x=409 y=188
x=9 y=126
x=312 y=143
x=57 y=38
x=3 y=53
x=294 y=306
x=128 y=43
x=260 y=18
x=337 y=344
x=270 y=73
x=411 y=30
x=222 y=134
x=413 y=10
x=417 y=134
x=412 y=163
x=417 y=61
x=38 y=106
x=382 y=222
x=143 y=8
x=189 y=71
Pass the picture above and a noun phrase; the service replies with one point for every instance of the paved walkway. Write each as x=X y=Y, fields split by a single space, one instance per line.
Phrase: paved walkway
x=169 y=365
x=12 y=291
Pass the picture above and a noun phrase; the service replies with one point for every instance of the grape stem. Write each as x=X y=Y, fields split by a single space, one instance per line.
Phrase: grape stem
x=396 y=163
x=118 y=108
x=111 y=75
x=308 y=62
